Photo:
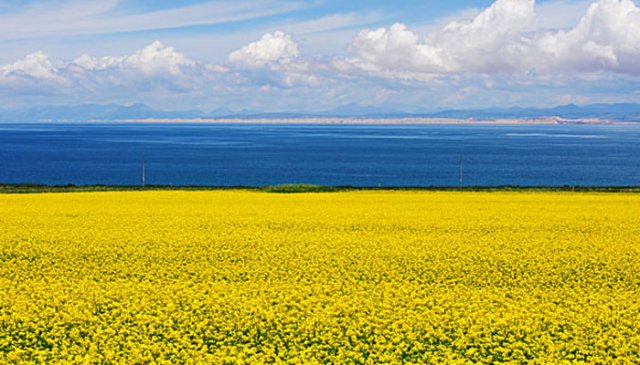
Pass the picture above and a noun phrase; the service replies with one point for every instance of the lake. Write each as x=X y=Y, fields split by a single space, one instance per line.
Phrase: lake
x=328 y=154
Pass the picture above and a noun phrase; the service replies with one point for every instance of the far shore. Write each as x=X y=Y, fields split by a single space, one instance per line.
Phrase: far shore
x=381 y=121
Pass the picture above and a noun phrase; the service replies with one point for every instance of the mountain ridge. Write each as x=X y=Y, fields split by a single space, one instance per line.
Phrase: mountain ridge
x=627 y=112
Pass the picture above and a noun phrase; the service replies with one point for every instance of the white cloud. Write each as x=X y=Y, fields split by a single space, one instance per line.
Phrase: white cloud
x=153 y=59
x=502 y=17
x=274 y=60
x=35 y=65
x=397 y=52
x=490 y=41
x=272 y=47
x=607 y=38
x=499 y=40
x=155 y=74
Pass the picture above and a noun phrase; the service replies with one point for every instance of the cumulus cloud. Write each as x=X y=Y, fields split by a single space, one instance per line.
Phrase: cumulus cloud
x=272 y=47
x=152 y=59
x=153 y=72
x=274 y=61
x=490 y=41
x=35 y=66
x=607 y=38
x=397 y=52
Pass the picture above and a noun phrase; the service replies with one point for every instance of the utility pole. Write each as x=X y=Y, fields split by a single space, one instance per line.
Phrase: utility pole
x=461 y=173
x=143 y=182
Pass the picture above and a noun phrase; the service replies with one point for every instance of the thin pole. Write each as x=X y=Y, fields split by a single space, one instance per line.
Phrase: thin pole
x=460 y=173
x=143 y=182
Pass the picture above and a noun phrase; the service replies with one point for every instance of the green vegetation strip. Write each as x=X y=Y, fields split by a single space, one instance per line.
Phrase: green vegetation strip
x=304 y=188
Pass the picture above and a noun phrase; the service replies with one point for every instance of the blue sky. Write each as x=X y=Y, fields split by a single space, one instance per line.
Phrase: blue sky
x=316 y=55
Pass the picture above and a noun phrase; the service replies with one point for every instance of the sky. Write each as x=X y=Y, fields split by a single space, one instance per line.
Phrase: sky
x=316 y=55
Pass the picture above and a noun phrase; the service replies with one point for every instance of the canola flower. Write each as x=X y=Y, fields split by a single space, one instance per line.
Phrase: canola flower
x=368 y=277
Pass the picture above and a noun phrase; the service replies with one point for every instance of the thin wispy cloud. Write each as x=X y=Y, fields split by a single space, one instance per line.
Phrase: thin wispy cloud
x=103 y=17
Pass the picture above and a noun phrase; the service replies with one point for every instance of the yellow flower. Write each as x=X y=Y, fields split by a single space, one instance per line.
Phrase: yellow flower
x=366 y=277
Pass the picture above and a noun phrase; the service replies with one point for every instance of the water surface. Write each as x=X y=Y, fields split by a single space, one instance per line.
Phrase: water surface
x=329 y=154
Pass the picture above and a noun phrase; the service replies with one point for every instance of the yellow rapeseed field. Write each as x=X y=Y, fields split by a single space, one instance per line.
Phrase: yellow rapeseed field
x=234 y=277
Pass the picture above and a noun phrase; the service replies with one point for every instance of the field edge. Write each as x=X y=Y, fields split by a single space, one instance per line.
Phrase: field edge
x=304 y=188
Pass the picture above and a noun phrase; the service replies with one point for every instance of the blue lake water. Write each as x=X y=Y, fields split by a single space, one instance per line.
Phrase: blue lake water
x=335 y=154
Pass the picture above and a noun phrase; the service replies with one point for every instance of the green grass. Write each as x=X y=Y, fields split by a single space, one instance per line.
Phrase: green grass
x=302 y=188
x=30 y=188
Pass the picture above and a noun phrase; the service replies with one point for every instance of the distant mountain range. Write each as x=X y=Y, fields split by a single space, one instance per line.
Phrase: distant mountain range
x=89 y=112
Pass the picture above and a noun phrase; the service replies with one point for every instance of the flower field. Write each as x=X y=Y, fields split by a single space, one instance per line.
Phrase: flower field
x=365 y=277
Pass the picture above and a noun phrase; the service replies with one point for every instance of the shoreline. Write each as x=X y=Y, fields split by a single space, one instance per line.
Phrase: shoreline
x=357 y=121
x=307 y=188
